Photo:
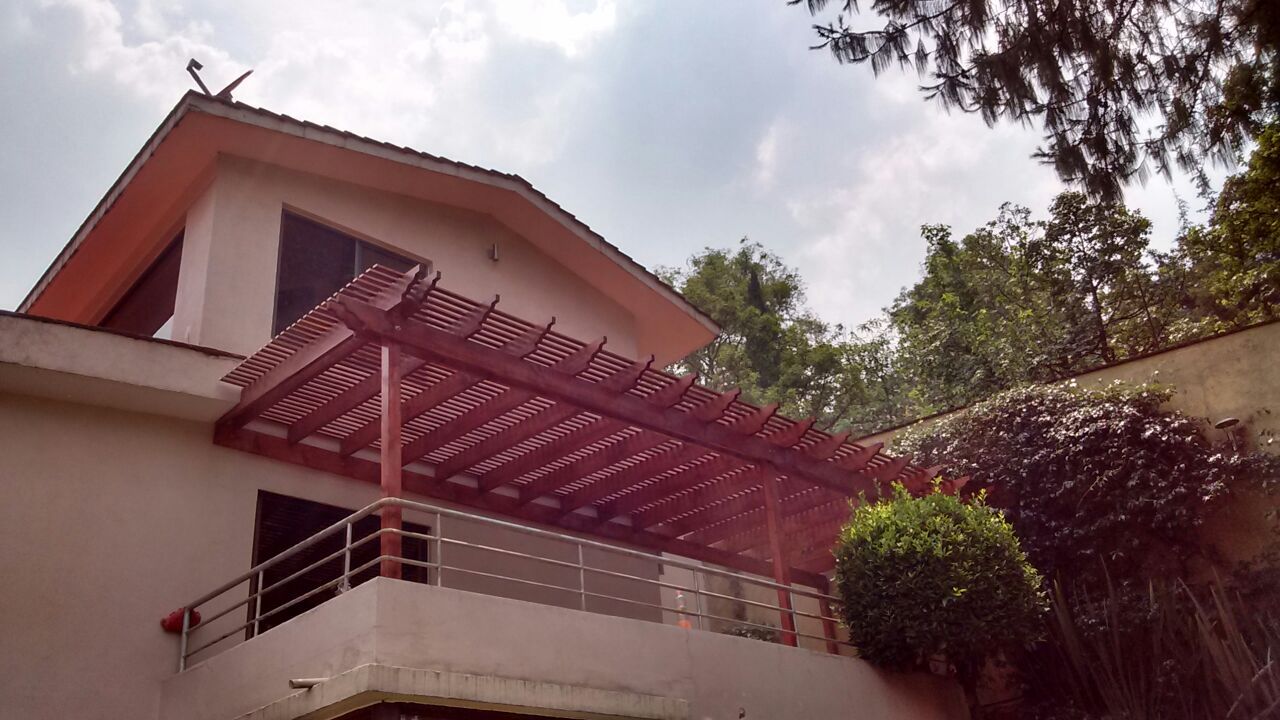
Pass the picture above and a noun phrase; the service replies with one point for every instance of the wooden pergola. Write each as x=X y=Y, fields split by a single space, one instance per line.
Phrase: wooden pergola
x=398 y=381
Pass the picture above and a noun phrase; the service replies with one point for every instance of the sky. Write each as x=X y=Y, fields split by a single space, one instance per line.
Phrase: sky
x=666 y=126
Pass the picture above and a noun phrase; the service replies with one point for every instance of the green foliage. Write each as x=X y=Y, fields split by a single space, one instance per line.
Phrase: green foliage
x=776 y=350
x=935 y=577
x=1088 y=476
x=1024 y=300
x=1227 y=274
x=1166 y=652
x=1118 y=86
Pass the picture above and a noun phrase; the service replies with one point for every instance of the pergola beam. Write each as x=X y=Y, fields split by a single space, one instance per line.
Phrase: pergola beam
x=459 y=353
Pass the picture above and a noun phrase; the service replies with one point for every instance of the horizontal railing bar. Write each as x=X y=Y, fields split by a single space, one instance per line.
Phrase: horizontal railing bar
x=536 y=532
x=311 y=593
x=262 y=592
x=603 y=571
x=712 y=616
x=285 y=554
x=571 y=540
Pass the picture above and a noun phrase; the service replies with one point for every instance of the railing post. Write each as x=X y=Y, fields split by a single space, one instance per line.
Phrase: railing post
x=439 y=550
x=182 y=643
x=345 y=585
x=697 y=599
x=828 y=626
x=582 y=581
x=257 y=603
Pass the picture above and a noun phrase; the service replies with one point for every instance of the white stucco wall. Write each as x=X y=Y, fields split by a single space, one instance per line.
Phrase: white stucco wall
x=226 y=290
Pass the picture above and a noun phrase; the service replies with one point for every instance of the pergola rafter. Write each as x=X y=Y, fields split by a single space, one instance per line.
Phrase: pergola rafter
x=485 y=409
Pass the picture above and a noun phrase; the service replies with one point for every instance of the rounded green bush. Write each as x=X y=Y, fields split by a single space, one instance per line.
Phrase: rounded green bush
x=936 y=578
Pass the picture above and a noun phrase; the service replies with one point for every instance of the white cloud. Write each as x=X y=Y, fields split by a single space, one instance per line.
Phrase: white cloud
x=555 y=23
x=767 y=157
x=863 y=238
x=150 y=69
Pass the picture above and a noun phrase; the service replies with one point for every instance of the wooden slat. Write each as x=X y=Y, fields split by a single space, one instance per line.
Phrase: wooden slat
x=668 y=487
x=607 y=456
x=546 y=454
x=456 y=383
x=510 y=437
x=449 y=350
x=508 y=400
x=348 y=400
x=489 y=410
x=604 y=487
x=753 y=519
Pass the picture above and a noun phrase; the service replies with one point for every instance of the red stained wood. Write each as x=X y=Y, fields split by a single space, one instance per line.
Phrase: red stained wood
x=430 y=343
x=623 y=479
x=389 y=460
x=351 y=398
x=778 y=550
x=670 y=486
x=607 y=456
x=550 y=452
x=505 y=439
x=753 y=519
x=412 y=408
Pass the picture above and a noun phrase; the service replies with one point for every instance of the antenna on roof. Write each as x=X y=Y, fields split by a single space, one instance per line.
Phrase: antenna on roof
x=194 y=66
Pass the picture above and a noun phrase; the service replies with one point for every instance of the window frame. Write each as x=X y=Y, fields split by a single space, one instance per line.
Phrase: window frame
x=361 y=246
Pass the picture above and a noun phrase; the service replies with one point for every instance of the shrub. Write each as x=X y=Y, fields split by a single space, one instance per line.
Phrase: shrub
x=1093 y=476
x=935 y=577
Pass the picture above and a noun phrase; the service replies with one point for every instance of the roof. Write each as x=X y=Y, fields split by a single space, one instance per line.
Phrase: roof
x=512 y=417
x=568 y=229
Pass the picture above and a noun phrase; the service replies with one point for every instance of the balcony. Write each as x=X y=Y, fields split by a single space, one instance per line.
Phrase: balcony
x=548 y=624
x=582 y=521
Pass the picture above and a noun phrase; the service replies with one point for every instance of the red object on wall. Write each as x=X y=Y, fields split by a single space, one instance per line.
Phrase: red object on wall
x=172 y=623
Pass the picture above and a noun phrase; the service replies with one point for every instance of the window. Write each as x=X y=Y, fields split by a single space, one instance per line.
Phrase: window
x=147 y=307
x=315 y=262
x=285 y=521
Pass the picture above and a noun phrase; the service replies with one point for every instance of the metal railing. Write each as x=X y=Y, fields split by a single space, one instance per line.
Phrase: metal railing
x=699 y=613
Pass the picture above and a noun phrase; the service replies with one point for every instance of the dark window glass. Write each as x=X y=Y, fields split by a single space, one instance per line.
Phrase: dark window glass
x=147 y=306
x=315 y=262
x=285 y=521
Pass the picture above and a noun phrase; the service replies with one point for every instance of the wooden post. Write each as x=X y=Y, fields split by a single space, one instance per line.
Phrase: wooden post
x=392 y=482
x=777 y=547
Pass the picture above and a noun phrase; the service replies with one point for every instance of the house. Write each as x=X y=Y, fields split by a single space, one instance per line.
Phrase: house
x=302 y=424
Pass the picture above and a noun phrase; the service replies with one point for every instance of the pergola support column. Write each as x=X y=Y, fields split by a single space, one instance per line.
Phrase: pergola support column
x=389 y=461
x=777 y=547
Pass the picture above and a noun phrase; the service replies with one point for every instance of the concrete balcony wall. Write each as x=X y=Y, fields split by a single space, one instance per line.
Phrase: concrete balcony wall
x=535 y=658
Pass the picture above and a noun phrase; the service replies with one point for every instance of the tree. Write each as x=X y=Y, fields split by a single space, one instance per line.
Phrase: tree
x=1021 y=300
x=1095 y=254
x=775 y=349
x=935 y=577
x=1228 y=271
x=1118 y=86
